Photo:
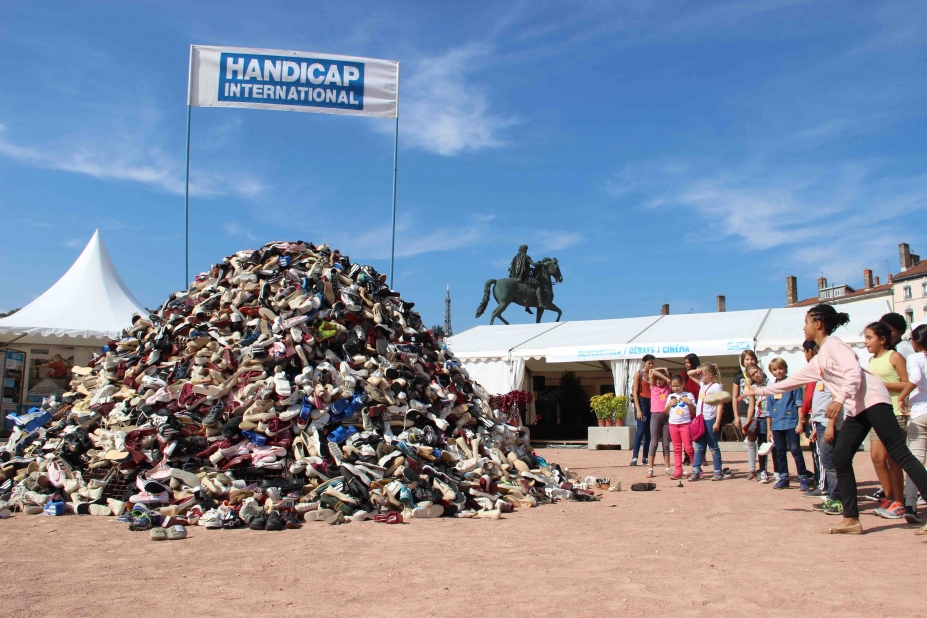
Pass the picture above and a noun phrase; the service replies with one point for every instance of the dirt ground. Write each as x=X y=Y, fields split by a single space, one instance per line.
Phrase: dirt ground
x=733 y=548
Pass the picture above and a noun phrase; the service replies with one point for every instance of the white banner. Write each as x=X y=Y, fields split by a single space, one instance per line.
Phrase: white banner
x=719 y=347
x=293 y=81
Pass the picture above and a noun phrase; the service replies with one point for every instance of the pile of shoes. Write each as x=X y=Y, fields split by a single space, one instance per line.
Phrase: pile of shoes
x=285 y=385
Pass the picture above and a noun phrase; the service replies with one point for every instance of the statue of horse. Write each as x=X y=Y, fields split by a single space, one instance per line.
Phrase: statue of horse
x=508 y=291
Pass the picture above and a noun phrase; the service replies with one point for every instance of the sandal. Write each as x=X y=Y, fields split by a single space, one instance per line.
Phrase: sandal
x=643 y=486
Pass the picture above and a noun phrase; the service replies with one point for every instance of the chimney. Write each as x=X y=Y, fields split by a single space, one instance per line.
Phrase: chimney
x=915 y=259
x=791 y=290
x=822 y=283
x=722 y=304
x=904 y=256
x=867 y=278
x=664 y=310
x=877 y=280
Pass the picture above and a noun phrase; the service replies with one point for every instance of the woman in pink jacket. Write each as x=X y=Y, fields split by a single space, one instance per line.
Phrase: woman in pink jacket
x=864 y=399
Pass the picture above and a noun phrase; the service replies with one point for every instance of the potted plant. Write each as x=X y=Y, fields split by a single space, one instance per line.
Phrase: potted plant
x=603 y=406
x=619 y=409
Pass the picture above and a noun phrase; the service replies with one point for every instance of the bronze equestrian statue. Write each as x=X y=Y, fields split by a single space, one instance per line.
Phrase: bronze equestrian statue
x=526 y=286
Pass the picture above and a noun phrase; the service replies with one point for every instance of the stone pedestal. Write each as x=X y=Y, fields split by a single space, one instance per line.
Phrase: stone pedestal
x=610 y=436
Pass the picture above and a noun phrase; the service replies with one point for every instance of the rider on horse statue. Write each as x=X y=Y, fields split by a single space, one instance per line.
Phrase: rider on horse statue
x=522 y=271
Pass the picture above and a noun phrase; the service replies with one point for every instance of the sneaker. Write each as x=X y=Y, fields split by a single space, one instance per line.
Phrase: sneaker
x=803 y=484
x=877 y=495
x=752 y=476
x=911 y=516
x=695 y=476
x=782 y=483
x=646 y=461
x=884 y=503
x=764 y=478
x=727 y=473
x=717 y=477
x=633 y=462
x=894 y=511
x=823 y=505
x=836 y=508
x=814 y=493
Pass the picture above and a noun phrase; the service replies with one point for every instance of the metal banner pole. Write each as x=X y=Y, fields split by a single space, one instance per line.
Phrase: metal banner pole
x=392 y=251
x=186 y=210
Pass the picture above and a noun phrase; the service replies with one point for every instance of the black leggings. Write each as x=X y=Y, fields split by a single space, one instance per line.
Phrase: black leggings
x=881 y=419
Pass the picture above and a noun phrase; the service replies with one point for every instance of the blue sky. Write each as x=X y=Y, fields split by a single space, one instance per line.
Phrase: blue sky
x=663 y=151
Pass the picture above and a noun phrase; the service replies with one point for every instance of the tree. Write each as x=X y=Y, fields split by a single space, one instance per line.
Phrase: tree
x=438 y=331
x=9 y=313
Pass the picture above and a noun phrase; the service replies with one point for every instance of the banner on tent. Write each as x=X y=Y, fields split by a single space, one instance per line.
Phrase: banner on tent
x=722 y=347
x=293 y=81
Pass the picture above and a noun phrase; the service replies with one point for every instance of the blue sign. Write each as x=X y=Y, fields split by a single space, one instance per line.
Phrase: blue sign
x=289 y=80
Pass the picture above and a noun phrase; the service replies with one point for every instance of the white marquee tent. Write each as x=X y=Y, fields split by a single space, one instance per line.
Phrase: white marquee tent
x=83 y=310
x=89 y=305
x=497 y=356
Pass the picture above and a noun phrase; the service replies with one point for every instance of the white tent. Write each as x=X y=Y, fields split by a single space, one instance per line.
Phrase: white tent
x=88 y=305
x=495 y=355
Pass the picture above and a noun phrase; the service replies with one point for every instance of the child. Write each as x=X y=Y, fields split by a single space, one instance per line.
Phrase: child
x=680 y=406
x=659 y=429
x=823 y=436
x=914 y=401
x=865 y=400
x=805 y=426
x=890 y=367
x=709 y=376
x=782 y=410
x=756 y=426
x=742 y=381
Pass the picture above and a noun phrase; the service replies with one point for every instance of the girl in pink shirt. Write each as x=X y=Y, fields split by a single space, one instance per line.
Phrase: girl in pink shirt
x=864 y=399
x=659 y=425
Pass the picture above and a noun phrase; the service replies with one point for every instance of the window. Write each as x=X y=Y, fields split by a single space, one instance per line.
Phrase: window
x=906 y=292
x=909 y=315
x=924 y=289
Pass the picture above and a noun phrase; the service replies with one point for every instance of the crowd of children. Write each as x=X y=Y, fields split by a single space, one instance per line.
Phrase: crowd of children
x=832 y=401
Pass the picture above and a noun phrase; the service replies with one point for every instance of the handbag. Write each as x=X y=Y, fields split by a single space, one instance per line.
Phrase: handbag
x=697 y=427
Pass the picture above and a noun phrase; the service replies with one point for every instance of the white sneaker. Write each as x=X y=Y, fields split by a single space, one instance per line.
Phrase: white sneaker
x=764 y=478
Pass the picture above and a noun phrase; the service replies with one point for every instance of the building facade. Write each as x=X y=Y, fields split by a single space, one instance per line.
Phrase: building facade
x=909 y=287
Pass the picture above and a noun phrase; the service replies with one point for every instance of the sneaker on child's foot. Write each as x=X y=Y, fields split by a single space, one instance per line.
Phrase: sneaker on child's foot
x=836 y=508
x=649 y=473
x=815 y=493
x=803 y=484
x=633 y=461
x=823 y=505
x=894 y=511
x=646 y=461
x=782 y=483
x=752 y=476
x=764 y=478
x=911 y=516
x=877 y=495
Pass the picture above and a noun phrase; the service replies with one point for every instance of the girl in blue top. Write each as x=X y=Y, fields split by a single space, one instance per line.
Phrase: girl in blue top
x=783 y=411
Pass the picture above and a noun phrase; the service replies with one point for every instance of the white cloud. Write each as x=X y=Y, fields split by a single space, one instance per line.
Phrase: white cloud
x=444 y=110
x=837 y=219
x=75 y=243
x=234 y=229
x=129 y=158
x=552 y=241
